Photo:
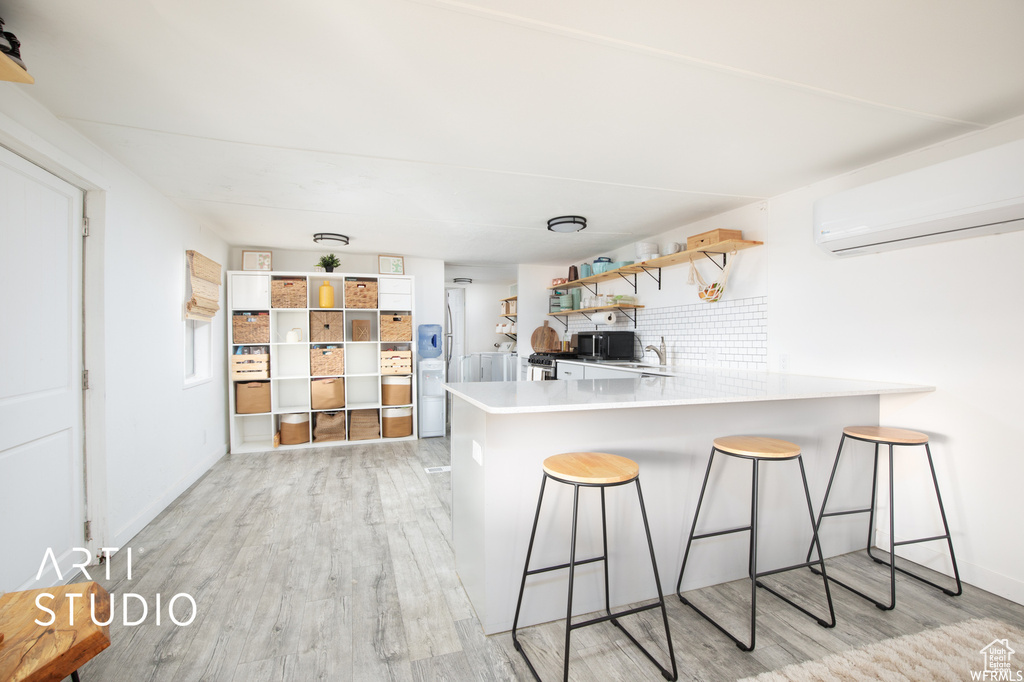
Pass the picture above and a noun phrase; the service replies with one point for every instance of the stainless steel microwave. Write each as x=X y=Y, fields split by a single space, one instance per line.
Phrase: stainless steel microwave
x=605 y=345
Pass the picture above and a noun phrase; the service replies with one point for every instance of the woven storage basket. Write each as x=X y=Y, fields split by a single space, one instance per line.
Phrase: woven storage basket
x=250 y=328
x=360 y=293
x=327 y=394
x=294 y=429
x=326 y=362
x=326 y=327
x=365 y=425
x=252 y=397
x=396 y=362
x=395 y=390
x=288 y=292
x=249 y=367
x=395 y=327
x=328 y=426
x=362 y=330
x=396 y=422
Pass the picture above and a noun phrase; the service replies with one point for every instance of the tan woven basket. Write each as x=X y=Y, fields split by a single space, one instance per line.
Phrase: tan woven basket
x=360 y=293
x=395 y=327
x=365 y=425
x=396 y=427
x=326 y=362
x=288 y=292
x=396 y=362
x=326 y=327
x=328 y=426
x=250 y=328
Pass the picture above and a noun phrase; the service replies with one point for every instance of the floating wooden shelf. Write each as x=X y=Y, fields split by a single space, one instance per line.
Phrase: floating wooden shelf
x=562 y=313
x=720 y=248
x=10 y=71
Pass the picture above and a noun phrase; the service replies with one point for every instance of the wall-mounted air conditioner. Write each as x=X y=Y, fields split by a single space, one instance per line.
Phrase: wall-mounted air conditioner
x=977 y=194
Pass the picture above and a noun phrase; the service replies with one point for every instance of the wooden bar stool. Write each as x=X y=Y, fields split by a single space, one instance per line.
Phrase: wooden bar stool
x=592 y=470
x=883 y=435
x=756 y=449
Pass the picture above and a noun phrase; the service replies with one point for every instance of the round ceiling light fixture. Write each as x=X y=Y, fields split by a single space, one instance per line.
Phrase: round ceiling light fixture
x=567 y=223
x=330 y=237
x=463 y=280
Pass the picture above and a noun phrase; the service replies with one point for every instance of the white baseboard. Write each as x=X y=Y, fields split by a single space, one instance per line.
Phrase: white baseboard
x=123 y=535
x=936 y=558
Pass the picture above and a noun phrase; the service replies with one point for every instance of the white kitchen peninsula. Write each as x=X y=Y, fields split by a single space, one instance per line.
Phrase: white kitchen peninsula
x=502 y=431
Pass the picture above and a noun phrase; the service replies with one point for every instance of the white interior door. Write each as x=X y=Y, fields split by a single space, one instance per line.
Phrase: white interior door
x=42 y=495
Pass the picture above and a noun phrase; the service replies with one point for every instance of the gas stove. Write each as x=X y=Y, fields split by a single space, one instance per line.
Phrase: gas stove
x=548 y=358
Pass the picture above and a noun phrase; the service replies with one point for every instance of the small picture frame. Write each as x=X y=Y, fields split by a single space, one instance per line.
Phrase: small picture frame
x=256 y=260
x=391 y=265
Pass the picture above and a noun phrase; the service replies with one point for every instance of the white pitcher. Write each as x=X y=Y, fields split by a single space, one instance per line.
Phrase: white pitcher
x=294 y=336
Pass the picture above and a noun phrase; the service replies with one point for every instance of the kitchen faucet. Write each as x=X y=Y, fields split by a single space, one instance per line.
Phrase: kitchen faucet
x=659 y=351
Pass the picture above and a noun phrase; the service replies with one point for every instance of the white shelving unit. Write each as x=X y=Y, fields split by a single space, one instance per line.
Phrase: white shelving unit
x=290 y=375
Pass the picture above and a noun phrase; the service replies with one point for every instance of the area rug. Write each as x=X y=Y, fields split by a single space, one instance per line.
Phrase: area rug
x=980 y=649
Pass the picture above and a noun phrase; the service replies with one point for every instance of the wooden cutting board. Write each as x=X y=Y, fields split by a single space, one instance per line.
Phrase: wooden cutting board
x=545 y=339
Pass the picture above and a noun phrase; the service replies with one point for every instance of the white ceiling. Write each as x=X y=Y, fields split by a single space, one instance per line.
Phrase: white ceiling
x=454 y=129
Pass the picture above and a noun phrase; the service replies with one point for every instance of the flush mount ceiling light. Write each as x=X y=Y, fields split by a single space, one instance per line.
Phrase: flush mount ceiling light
x=567 y=223
x=330 y=237
x=463 y=280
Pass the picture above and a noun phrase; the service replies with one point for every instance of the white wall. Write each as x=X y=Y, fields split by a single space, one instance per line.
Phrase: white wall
x=532 y=303
x=482 y=315
x=946 y=315
x=157 y=436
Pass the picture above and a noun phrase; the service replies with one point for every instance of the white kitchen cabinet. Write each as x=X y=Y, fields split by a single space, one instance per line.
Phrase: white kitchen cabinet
x=604 y=372
x=568 y=370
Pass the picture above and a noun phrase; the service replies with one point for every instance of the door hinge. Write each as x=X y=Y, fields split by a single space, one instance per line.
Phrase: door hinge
x=85 y=227
x=85 y=380
x=88 y=531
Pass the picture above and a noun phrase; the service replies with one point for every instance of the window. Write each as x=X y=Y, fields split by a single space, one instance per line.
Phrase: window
x=198 y=338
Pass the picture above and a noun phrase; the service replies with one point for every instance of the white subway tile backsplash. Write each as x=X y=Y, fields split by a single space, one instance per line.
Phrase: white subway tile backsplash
x=729 y=334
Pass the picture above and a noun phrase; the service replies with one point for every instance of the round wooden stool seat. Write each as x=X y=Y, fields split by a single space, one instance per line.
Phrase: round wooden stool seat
x=887 y=434
x=591 y=467
x=757 y=446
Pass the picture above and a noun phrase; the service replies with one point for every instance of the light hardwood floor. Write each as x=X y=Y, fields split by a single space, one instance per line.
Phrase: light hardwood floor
x=336 y=564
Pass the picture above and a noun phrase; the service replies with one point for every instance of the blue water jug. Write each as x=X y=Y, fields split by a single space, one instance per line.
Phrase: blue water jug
x=430 y=340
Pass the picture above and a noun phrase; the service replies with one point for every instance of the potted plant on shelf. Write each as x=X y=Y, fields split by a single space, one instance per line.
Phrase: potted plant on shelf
x=329 y=262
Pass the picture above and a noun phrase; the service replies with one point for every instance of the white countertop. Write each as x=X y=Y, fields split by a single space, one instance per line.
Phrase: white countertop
x=689 y=386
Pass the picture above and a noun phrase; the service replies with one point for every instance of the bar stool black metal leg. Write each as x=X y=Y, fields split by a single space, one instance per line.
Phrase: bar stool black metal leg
x=815 y=544
x=693 y=527
x=824 y=501
x=945 y=528
x=526 y=569
x=674 y=675
x=752 y=562
x=572 y=577
x=892 y=537
x=874 y=505
x=604 y=553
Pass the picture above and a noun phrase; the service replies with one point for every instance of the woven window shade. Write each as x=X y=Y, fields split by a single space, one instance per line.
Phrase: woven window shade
x=204 y=275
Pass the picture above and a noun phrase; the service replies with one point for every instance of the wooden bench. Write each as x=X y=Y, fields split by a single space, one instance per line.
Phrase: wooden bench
x=30 y=652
